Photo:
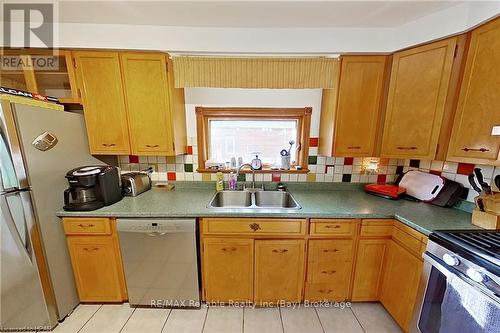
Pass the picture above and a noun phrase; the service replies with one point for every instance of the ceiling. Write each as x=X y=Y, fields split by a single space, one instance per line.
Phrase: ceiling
x=251 y=14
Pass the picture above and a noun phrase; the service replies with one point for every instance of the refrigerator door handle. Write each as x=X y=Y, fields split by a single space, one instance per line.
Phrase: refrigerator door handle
x=23 y=246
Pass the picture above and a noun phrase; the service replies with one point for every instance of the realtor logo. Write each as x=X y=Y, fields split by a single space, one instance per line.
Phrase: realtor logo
x=33 y=23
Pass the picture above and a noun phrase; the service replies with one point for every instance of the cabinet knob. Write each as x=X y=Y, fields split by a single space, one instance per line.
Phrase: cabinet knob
x=482 y=150
x=152 y=146
x=109 y=144
x=254 y=226
x=280 y=250
x=407 y=148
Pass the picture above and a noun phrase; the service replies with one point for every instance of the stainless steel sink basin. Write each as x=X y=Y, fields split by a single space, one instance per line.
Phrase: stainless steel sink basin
x=231 y=199
x=275 y=199
x=258 y=200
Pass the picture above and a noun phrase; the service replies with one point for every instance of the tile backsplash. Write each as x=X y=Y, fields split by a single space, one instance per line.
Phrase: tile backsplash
x=322 y=169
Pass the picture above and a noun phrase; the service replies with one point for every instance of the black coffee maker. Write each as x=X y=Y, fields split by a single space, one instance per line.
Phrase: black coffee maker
x=92 y=187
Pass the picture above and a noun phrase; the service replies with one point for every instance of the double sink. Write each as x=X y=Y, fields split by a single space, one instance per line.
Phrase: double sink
x=254 y=200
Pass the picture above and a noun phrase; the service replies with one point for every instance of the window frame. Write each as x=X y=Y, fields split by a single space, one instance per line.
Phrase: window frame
x=205 y=114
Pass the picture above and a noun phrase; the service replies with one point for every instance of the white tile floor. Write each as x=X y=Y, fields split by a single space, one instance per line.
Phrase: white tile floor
x=361 y=317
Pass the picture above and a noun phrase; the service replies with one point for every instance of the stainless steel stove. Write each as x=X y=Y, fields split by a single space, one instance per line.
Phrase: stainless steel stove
x=460 y=284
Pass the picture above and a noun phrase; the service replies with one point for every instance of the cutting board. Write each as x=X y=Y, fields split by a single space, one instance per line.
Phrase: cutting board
x=421 y=185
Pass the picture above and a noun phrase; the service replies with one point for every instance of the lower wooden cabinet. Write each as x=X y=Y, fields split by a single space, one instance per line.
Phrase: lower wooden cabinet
x=96 y=259
x=279 y=271
x=368 y=275
x=400 y=283
x=228 y=269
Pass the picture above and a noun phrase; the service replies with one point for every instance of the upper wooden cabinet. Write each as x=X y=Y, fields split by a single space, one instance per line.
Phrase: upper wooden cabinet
x=145 y=82
x=130 y=103
x=416 y=102
x=478 y=107
x=49 y=73
x=104 y=102
x=359 y=104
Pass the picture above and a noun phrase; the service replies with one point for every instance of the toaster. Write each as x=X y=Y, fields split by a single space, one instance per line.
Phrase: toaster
x=135 y=183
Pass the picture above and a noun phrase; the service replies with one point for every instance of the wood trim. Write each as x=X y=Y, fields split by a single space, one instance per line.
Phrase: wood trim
x=302 y=115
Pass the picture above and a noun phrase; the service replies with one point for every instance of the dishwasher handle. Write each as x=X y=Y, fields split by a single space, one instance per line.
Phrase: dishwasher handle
x=156 y=233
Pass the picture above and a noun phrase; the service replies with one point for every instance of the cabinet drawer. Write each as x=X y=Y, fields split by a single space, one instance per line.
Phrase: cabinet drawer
x=254 y=226
x=326 y=292
x=408 y=241
x=81 y=226
x=376 y=228
x=330 y=250
x=336 y=272
x=339 y=227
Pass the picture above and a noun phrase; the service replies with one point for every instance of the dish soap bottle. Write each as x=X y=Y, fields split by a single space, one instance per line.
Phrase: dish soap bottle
x=232 y=181
x=219 y=183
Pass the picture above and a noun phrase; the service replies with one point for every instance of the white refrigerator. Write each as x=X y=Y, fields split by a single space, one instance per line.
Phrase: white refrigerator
x=36 y=278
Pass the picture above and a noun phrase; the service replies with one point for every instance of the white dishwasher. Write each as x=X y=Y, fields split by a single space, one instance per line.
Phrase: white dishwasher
x=160 y=261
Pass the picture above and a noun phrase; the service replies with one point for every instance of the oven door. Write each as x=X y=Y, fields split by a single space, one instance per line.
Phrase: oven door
x=433 y=306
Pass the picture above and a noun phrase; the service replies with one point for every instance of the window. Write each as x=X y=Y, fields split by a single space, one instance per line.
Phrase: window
x=224 y=133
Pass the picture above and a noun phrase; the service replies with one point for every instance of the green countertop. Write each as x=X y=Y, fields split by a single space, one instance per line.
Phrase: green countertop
x=316 y=201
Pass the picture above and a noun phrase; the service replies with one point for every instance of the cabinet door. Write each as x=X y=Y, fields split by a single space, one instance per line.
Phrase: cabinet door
x=103 y=102
x=478 y=107
x=279 y=270
x=368 y=269
x=98 y=273
x=146 y=94
x=400 y=283
x=416 y=102
x=359 y=105
x=228 y=269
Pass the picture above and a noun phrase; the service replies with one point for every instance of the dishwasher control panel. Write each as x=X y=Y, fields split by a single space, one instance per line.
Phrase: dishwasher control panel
x=155 y=225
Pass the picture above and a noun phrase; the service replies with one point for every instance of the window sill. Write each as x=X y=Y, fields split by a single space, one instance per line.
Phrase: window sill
x=292 y=171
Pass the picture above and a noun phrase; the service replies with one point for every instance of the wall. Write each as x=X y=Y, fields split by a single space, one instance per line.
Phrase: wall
x=323 y=169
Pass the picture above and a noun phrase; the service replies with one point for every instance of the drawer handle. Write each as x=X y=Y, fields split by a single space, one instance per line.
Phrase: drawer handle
x=329 y=226
x=407 y=148
x=280 y=251
x=152 y=146
x=327 y=291
x=329 y=272
x=225 y=249
x=254 y=226
x=109 y=144
x=91 y=249
x=85 y=226
x=354 y=147
x=334 y=250
x=482 y=150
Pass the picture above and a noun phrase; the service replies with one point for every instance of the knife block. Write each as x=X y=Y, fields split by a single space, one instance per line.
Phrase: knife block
x=485 y=220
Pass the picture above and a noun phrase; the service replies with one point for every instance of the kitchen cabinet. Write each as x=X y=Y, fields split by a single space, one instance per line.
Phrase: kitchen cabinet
x=104 y=102
x=57 y=81
x=228 y=269
x=130 y=104
x=416 y=100
x=96 y=260
x=279 y=271
x=479 y=100
x=400 y=283
x=150 y=108
x=359 y=105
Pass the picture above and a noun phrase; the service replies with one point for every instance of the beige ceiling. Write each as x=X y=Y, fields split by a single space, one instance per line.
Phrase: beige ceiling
x=251 y=14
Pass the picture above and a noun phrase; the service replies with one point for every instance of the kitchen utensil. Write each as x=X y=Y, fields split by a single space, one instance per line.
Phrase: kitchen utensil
x=449 y=194
x=472 y=182
x=421 y=185
x=385 y=190
x=291 y=142
x=484 y=186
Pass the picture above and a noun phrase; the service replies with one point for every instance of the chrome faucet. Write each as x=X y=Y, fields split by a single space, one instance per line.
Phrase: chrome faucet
x=253 y=175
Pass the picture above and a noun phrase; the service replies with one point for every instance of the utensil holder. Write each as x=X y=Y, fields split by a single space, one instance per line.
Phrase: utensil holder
x=485 y=220
x=285 y=162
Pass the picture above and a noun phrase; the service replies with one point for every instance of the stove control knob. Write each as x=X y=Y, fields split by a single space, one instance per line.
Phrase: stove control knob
x=451 y=260
x=475 y=275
